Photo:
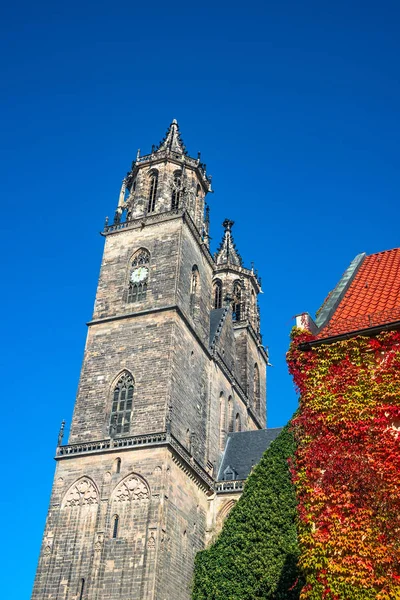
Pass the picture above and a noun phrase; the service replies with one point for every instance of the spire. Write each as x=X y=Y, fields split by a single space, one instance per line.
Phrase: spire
x=227 y=252
x=172 y=140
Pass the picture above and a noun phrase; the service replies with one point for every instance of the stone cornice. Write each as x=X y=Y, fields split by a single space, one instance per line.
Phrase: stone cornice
x=163 y=439
x=155 y=219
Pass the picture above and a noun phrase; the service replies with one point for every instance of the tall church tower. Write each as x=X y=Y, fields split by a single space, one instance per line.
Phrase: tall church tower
x=173 y=364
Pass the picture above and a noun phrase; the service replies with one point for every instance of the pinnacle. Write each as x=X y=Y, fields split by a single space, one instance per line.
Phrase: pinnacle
x=227 y=252
x=172 y=140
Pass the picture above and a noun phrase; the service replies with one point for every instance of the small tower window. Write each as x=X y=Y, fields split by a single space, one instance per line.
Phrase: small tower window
x=256 y=389
x=188 y=440
x=176 y=190
x=81 y=588
x=193 y=289
x=122 y=405
x=238 y=424
x=152 y=191
x=117 y=465
x=218 y=294
x=237 y=304
x=115 y=526
x=138 y=278
x=253 y=308
x=222 y=421
x=230 y=414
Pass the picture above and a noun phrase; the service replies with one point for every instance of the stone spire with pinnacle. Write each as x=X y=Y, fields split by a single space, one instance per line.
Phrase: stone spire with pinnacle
x=173 y=140
x=227 y=252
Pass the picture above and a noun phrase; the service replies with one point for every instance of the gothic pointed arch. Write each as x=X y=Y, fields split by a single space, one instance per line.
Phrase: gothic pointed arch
x=83 y=492
x=217 y=293
x=122 y=391
x=152 y=190
x=230 y=415
x=194 y=290
x=223 y=513
x=237 y=301
x=256 y=388
x=222 y=421
x=131 y=489
x=238 y=422
x=138 y=275
x=177 y=190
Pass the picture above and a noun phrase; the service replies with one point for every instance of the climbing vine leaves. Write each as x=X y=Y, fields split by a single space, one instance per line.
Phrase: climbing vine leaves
x=346 y=468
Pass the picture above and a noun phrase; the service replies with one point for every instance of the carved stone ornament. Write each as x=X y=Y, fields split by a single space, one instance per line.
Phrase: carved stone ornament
x=151 y=544
x=99 y=542
x=83 y=492
x=130 y=489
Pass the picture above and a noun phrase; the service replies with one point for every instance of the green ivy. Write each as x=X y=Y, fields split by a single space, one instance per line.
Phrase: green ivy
x=256 y=553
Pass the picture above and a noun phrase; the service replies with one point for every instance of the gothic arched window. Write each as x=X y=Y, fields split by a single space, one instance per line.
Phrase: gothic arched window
x=115 y=526
x=152 y=191
x=176 y=190
x=230 y=414
x=254 y=312
x=237 y=303
x=138 y=277
x=194 y=284
x=256 y=388
x=238 y=424
x=82 y=588
x=121 y=410
x=222 y=421
x=217 y=294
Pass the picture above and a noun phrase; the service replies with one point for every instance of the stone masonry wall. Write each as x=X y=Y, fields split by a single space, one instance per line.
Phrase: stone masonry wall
x=162 y=521
x=139 y=345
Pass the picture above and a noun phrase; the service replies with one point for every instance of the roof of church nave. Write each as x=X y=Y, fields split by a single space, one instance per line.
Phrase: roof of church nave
x=367 y=295
x=244 y=449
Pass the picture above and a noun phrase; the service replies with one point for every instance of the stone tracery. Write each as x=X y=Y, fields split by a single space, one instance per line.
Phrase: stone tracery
x=130 y=489
x=83 y=492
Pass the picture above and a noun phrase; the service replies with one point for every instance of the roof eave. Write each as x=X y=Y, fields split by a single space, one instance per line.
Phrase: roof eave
x=367 y=332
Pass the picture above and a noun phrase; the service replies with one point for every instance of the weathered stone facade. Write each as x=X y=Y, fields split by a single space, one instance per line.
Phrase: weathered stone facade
x=171 y=366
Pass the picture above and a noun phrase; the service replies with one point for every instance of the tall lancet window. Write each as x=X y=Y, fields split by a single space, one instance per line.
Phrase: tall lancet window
x=121 y=411
x=217 y=294
x=138 y=277
x=253 y=308
x=230 y=414
x=256 y=389
x=152 y=191
x=237 y=304
x=222 y=421
x=176 y=190
x=194 y=284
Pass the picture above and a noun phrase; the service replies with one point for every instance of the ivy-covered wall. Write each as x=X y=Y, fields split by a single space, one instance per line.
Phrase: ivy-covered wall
x=347 y=466
x=256 y=554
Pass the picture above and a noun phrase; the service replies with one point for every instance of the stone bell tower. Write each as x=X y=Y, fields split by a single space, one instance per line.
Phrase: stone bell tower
x=133 y=485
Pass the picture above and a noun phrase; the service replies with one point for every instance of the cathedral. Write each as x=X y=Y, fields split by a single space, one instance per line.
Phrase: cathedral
x=170 y=414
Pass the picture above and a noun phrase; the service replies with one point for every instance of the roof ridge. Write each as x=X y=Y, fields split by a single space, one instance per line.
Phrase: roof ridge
x=339 y=292
x=383 y=252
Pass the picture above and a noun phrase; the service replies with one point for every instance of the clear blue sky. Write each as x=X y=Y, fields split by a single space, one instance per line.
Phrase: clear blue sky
x=295 y=107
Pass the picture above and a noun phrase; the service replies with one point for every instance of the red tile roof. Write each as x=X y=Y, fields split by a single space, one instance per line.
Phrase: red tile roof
x=372 y=298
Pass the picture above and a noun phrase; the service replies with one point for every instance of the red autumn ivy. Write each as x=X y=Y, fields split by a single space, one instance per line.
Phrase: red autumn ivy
x=347 y=466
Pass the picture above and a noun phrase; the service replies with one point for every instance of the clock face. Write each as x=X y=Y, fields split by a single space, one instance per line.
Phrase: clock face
x=139 y=274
